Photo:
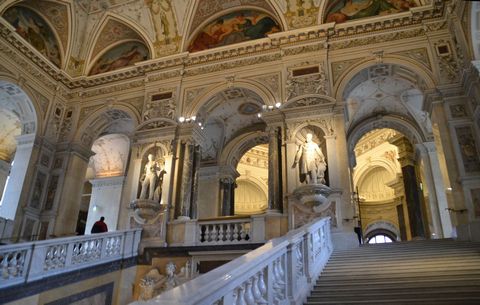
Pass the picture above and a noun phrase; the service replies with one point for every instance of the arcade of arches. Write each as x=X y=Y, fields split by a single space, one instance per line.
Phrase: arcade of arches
x=203 y=107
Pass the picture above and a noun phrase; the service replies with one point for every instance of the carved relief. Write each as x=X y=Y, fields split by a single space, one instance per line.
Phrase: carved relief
x=271 y=81
x=468 y=149
x=419 y=55
x=312 y=83
x=341 y=66
x=160 y=105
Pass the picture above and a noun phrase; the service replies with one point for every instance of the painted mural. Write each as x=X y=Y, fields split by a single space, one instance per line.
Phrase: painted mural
x=234 y=28
x=123 y=55
x=35 y=30
x=344 y=10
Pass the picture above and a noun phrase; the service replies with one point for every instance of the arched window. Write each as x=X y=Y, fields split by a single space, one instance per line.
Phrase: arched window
x=379 y=239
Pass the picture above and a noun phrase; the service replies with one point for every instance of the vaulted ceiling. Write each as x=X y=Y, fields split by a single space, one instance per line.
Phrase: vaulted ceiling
x=86 y=37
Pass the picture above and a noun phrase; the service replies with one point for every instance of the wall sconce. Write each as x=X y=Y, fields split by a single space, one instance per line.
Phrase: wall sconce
x=461 y=211
x=95 y=207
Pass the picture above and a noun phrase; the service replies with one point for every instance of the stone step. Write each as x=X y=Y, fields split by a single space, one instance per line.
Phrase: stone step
x=421 y=272
x=472 y=300
x=404 y=289
x=401 y=265
x=399 y=270
x=452 y=280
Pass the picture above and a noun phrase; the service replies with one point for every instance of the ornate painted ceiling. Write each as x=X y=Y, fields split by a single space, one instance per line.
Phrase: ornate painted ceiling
x=93 y=37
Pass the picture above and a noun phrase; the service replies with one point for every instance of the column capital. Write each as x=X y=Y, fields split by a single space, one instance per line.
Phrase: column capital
x=406 y=155
x=190 y=133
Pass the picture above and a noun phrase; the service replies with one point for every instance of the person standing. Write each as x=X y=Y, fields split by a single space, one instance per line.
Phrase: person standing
x=99 y=226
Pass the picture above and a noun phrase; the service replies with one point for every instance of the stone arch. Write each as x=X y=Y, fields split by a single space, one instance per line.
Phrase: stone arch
x=104 y=118
x=345 y=78
x=409 y=129
x=475 y=28
x=266 y=96
x=363 y=171
x=381 y=226
x=236 y=148
x=325 y=125
x=33 y=109
x=109 y=16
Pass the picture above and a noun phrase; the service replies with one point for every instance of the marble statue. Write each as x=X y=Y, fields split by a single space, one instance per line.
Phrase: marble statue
x=312 y=162
x=152 y=180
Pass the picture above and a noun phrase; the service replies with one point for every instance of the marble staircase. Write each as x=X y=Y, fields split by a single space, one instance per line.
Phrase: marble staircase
x=416 y=272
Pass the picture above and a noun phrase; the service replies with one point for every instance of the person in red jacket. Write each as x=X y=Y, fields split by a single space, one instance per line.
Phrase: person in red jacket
x=99 y=226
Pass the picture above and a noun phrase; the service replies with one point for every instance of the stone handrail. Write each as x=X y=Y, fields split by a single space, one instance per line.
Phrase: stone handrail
x=27 y=262
x=282 y=271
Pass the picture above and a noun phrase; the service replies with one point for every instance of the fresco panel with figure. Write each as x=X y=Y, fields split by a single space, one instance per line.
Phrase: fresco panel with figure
x=344 y=10
x=120 y=56
x=233 y=28
x=35 y=30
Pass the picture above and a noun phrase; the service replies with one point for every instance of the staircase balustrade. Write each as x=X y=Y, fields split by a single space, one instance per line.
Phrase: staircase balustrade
x=282 y=271
x=27 y=262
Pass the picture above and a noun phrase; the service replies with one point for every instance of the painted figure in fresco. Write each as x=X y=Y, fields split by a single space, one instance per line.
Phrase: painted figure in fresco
x=312 y=162
x=127 y=58
x=163 y=19
x=356 y=9
x=233 y=28
x=33 y=29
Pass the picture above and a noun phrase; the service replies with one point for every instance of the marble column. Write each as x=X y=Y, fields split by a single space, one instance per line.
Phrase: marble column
x=184 y=203
x=15 y=187
x=4 y=172
x=413 y=193
x=106 y=196
x=275 y=193
x=227 y=188
x=436 y=187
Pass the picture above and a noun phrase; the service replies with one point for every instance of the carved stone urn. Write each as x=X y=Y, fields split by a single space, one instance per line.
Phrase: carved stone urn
x=145 y=210
x=312 y=195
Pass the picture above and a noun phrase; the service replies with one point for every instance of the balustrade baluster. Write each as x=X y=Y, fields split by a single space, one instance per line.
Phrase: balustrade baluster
x=220 y=233
x=241 y=295
x=248 y=293
x=257 y=294
x=235 y=232
x=214 y=233
x=228 y=233
x=207 y=234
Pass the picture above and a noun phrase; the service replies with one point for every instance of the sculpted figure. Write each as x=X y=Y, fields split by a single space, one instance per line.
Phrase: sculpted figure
x=312 y=162
x=150 y=178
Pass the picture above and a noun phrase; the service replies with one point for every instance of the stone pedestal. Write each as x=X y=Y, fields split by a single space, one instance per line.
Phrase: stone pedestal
x=152 y=217
x=311 y=201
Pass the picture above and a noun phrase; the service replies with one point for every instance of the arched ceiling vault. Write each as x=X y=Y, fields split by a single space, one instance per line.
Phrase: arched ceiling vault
x=84 y=28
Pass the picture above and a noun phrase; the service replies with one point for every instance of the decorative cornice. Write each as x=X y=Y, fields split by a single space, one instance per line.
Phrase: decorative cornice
x=272 y=48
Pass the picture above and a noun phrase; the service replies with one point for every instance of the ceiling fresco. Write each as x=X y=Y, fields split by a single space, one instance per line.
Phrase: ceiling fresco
x=36 y=31
x=344 y=10
x=72 y=34
x=233 y=28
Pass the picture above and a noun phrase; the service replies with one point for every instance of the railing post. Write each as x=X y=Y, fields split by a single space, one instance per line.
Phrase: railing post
x=190 y=238
x=257 y=233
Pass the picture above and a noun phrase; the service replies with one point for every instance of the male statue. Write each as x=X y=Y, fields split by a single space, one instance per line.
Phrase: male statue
x=150 y=179
x=312 y=162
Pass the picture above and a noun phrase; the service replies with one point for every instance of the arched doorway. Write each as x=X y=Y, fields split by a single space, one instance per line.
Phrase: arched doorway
x=104 y=180
x=251 y=192
x=18 y=126
x=108 y=135
x=233 y=130
x=386 y=133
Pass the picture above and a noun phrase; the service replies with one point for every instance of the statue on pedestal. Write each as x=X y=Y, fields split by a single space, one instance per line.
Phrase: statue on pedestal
x=312 y=162
x=152 y=180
